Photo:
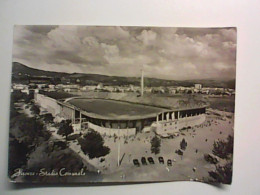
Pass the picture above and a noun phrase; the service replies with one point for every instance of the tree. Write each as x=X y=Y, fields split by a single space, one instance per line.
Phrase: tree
x=35 y=109
x=13 y=111
x=222 y=148
x=32 y=130
x=48 y=117
x=223 y=174
x=65 y=128
x=155 y=145
x=183 y=144
x=28 y=97
x=17 y=154
x=211 y=158
x=92 y=144
x=25 y=135
x=16 y=95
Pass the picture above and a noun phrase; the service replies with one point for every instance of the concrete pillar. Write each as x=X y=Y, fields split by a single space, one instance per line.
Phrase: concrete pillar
x=72 y=116
x=178 y=114
x=173 y=117
x=80 y=120
x=167 y=116
x=157 y=119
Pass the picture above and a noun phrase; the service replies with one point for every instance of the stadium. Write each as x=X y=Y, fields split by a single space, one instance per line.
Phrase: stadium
x=113 y=117
x=121 y=118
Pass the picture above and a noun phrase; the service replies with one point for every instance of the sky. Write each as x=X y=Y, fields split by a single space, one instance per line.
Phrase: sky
x=162 y=52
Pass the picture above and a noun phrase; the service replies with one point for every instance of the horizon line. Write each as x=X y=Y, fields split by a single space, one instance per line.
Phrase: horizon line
x=227 y=79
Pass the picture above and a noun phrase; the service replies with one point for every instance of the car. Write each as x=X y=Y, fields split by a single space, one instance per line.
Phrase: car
x=169 y=162
x=143 y=160
x=43 y=112
x=161 y=160
x=150 y=160
x=136 y=162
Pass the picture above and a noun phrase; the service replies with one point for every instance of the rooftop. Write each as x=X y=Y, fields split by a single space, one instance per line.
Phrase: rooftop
x=57 y=95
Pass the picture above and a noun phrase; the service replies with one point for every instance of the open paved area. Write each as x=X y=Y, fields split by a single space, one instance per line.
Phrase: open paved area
x=190 y=166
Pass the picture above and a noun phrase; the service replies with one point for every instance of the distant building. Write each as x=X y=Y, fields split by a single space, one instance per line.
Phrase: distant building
x=41 y=86
x=131 y=88
x=109 y=88
x=88 y=88
x=180 y=89
x=19 y=86
x=196 y=90
x=198 y=86
x=100 y=86
x=172 y=91
x=40 y=79
x=148 y=89
x=51 y=86
x=65 y=80
x=70 y=89
x=25 y=91
x=205 y=90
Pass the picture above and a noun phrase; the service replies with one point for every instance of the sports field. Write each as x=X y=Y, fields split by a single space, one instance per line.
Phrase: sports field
x=113 y=109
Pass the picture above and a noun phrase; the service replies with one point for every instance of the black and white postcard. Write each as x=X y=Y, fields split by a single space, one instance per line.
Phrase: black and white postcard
x=98 y=104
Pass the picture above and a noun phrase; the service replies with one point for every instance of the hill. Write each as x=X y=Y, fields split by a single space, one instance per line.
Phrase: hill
x=23 y=73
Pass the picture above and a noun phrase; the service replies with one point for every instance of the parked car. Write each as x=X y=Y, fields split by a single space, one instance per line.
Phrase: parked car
x=161 y=160
x=143 y=160
x=150 y=160
x=44 y=112
x=169 y=162
x=136 y=162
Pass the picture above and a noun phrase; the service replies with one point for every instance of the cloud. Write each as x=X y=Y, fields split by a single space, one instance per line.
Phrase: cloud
x=63 y=38
x=169 y=53
x=110 y=50
x=43 y=29
x=229 y=34
x=147 y=37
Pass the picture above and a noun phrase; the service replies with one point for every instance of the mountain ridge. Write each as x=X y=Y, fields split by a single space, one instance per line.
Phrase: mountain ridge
x=21 y=71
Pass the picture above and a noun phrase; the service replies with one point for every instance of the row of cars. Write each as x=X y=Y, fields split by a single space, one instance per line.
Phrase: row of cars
x=151 y=161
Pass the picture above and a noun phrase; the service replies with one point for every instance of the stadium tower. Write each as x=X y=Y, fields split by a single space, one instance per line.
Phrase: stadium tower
x=142 y=82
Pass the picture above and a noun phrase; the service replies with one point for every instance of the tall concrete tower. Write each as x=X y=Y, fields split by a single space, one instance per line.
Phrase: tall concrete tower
x=142 y=82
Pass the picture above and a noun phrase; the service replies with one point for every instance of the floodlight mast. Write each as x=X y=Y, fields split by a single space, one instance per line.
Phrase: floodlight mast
x=142 y=82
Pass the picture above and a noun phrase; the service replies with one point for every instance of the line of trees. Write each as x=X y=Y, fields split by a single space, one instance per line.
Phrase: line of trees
x=26 y=134
x=223 y=149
